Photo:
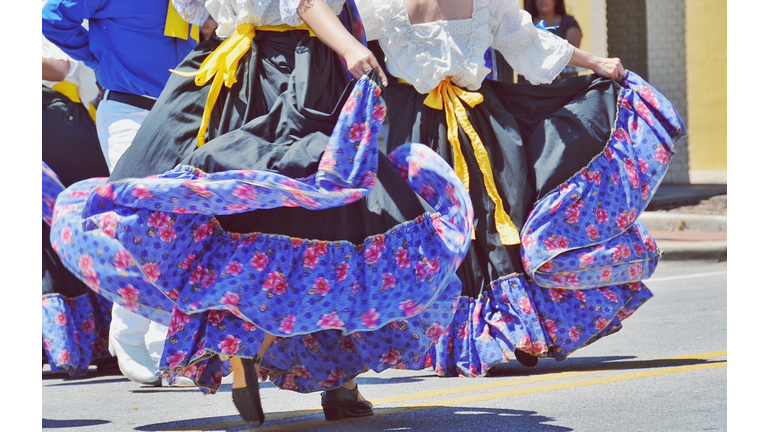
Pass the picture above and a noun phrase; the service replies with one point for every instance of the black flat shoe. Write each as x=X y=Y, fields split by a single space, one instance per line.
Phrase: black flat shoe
x=247 y=399
x=525 y=358
x=339 y=403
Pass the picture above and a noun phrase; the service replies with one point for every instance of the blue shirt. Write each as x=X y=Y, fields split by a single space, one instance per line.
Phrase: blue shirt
x=125 y=44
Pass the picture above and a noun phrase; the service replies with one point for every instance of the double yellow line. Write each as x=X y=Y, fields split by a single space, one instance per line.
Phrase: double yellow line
x=647 y=368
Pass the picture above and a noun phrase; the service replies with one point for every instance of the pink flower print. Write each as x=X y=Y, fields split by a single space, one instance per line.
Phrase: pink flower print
x=66 y=234
x=421 y=270
x=342 y=271
x=620 y=252
x=621 y=135
x=158 y=219
x=463 y=331
x=354 y=195
x=234 y=268
x=610 y=295
x=525 y=305
x=433 y=266
x=379 y=112
x=392 y=357
x=547 y=267
x=642 y=110
x=388 y=280
x=174 y=360
x=645 y=190
x=178 y=319
x=623 y=314
x=108 y=223
x=524 y=344
x=574 y=334
x=203 y=231
x=366 y=137
x=572 y=213
x=616 y=178
x=635 y=271
x=435 y=331
x=556 y=243
x=320 y=286
x=60 y=319
x=259 y=261
x=527 y=264
x=230 y=345
x=370 y=318
x=369 y=179
x=249 y=326
x=88 y=326
x=634 y=286
x=309 y=341
x=123 y=260
x=151 y=271
x=642 y=165
x=378 y=242
x=624 y=102
x=580 y=295
x=372 y=255
x=141 y=192
x=605 y=274
x=166 y=233
x=349 y=106
x=310 y=258
x=403 y=258
x=92 y=279
x=327 y=162
x=296 y=242
x=245 y=192
x=347 y=344
x=600 y=324
x=275 y=281
x=410 y=308
x=300 y=371
x=650 y=243
x=355 y=287
x=181 y=210
x=662 y=155
x=592 y=232
x=551 y=329
x=608 y=154
x=198 y=188
x=187 y=262
x=330 y=321
x=286 y=325
x=649 y=96
x=557 y=294
x=586 y=260
x=356 y=132
x=639 y=249
x=230 y=299
x=104 y=191
x=629 y=167
x=528 y=241
x=555 y=207
x=64 y=356
x=601 y=215
x=197 y=274
x=622 y=221
x=129 y=296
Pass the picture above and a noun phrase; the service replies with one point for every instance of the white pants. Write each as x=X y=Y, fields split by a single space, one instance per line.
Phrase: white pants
x=116 y=125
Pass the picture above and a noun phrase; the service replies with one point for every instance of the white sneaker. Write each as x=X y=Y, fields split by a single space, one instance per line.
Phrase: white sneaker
x=182 y=381
x=135 y=363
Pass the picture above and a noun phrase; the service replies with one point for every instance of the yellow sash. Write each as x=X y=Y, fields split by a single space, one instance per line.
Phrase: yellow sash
x=221 y=66
x=175 y=26
x=69 y=90
x=448 y=97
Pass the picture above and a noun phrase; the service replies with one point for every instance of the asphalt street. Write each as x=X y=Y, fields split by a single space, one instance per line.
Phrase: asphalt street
x=664 y=371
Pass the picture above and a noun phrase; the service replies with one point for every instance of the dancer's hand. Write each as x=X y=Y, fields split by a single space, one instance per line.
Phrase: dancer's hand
x=610 y=68
x=360 y=60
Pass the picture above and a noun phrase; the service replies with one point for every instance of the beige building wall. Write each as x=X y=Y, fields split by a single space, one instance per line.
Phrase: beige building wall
x=706 y=34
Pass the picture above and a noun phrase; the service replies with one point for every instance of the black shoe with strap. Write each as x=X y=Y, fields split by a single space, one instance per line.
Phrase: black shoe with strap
x=247 y=398
x=339 y=403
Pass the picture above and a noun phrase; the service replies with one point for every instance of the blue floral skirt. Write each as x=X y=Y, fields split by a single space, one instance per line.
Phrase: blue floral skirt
x=156 y=245
x=75 y=319
x=575 y=164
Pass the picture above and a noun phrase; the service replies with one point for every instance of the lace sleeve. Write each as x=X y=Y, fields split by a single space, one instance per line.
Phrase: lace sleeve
x=288 y=13
x=535 y=53
x=373 y=13
x=193 y=11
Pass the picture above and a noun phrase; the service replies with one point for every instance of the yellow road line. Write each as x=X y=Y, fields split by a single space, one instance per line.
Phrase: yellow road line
x=658 y=365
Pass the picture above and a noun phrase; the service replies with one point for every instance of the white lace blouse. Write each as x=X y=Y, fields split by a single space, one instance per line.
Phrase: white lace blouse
x=229 y=14
x=425 y=54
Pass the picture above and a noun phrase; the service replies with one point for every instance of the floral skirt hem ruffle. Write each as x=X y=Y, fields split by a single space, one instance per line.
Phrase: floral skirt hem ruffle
x=155 y=246
x=583 y=248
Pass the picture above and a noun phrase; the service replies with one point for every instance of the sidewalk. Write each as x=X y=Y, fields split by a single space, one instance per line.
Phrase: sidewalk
x=686 y=236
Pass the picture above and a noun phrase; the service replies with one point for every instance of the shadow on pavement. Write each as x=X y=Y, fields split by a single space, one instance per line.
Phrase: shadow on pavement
x=589 y=364
x=57 y=424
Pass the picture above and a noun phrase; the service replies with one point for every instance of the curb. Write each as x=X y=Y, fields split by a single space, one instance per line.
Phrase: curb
x=700 y=250
x=667 y=221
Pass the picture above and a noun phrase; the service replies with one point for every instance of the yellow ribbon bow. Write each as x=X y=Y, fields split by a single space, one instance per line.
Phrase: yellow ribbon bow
x=221 y=65
x=175 y=26
x=69 y=90
x=448 y=97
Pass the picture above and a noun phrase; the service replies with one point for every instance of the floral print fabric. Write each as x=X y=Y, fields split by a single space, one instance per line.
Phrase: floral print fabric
x=154 y=246
x=583 y=249
x=75 y=330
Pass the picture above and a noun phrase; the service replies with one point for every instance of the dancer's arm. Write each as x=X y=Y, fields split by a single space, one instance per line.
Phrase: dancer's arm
x=605 y=67
x=320 y=18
